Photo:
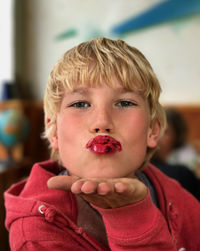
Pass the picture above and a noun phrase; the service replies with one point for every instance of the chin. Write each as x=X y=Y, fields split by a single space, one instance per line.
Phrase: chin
x=104 y=173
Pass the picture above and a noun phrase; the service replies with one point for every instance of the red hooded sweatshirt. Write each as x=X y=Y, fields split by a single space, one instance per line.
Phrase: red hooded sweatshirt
x=41 y=219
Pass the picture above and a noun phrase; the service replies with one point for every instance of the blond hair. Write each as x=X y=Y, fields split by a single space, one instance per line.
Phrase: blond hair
x=94 y=62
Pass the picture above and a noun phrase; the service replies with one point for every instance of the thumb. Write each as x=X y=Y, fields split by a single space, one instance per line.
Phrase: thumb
x=61 y=182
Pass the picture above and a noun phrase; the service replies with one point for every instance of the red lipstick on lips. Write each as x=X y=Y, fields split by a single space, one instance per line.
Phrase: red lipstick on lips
x=103 y=144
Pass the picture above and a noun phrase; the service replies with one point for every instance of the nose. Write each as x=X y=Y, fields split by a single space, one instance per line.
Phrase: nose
x=102 y=122
x=106 y=130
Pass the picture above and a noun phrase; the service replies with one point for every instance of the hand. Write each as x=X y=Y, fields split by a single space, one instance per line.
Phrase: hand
x=104 y=193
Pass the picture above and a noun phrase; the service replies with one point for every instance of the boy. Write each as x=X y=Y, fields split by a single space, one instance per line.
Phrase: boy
x=99 y=192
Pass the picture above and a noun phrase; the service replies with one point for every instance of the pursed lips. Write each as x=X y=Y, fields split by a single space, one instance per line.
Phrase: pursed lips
x=103 y=144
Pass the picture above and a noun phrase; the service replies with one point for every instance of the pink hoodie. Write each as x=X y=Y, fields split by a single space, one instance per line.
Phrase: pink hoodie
x=40 y=219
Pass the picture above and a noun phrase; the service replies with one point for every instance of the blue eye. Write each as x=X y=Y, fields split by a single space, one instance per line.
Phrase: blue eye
x=80 y=104
x=125 y=103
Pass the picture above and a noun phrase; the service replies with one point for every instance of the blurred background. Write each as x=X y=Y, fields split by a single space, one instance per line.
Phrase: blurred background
x=34 y=35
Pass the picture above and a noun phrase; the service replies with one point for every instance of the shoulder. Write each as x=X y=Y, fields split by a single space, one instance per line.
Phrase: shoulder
x=179 y=207
x=170 y=192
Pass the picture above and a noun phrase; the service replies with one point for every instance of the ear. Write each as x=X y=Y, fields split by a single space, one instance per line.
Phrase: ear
x=54 y=142
x=153 y=135
x=53 y=138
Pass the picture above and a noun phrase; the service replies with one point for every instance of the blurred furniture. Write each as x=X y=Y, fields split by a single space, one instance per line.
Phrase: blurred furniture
x=191 y=114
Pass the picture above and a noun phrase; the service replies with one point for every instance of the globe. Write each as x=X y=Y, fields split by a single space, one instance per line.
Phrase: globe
x=14 y=128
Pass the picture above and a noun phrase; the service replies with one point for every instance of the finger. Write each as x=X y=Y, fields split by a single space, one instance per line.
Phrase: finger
x=104 y=188
x=121 y=187
x=89 y=187
x=61 y=182
x=76 y=186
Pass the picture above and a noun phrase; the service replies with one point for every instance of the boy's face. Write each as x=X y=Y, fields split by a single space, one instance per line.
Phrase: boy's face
x=88 y=112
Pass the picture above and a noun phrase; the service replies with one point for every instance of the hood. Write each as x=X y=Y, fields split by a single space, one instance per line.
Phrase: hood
x=25 y=198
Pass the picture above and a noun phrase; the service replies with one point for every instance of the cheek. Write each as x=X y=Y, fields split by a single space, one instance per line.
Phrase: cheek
x=68 y=129
x=137 y=125
x=140 y=134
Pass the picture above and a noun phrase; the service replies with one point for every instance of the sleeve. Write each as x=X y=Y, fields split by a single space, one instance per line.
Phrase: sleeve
x=139 y=226
x=44 y=246
x=35 y=234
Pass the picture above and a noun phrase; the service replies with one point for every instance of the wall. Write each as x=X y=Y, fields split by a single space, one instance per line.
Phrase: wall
x=171 y=47
x=6 y=46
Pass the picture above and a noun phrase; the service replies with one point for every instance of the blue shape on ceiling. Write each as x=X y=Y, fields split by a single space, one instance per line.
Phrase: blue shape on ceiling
x=162 y=12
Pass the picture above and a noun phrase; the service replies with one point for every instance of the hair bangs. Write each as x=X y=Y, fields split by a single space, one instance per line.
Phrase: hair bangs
x=93 y=71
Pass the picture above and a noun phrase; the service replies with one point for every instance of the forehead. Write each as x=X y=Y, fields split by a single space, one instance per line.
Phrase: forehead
x=85 y=89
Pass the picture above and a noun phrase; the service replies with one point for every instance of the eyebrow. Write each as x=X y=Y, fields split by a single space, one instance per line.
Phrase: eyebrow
x=81 y=90
x=84 y=90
